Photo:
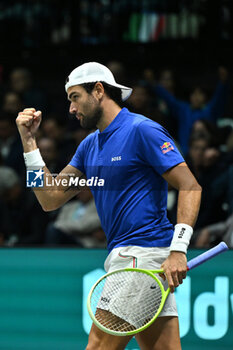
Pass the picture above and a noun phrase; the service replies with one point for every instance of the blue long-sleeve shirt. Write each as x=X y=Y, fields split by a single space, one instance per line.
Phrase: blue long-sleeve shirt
x=187 y=116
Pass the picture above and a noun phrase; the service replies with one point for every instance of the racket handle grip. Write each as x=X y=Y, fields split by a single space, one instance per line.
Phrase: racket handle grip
x=209 y=254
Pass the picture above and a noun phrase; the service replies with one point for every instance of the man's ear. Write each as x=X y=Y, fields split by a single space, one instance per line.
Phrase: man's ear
x=98 y=90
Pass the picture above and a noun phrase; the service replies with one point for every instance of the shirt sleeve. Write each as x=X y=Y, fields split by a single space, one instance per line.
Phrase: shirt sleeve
x=157 y=148
x=78 y=159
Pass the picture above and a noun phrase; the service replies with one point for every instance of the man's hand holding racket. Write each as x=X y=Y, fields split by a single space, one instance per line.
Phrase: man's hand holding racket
x=175 y=269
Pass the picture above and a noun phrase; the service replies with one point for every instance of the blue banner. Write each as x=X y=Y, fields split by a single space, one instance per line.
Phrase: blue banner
x=43 y=296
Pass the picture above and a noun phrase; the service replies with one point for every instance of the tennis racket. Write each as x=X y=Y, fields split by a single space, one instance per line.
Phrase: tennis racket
x=125 y=302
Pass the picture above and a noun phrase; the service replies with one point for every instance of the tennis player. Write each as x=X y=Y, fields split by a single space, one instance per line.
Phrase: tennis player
x=136 y=157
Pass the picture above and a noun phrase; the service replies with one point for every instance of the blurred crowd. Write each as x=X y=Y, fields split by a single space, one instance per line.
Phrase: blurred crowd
x=197 y=122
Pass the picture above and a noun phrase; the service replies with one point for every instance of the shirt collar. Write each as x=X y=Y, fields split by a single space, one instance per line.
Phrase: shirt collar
x=117 y=121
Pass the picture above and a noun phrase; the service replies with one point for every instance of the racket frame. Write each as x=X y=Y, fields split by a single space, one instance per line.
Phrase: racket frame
x=151 y=273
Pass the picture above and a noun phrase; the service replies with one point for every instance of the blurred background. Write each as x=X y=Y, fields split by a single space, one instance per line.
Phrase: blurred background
x=177 y=55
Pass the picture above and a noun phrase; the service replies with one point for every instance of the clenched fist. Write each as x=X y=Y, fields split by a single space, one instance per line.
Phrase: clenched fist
x=28 y=122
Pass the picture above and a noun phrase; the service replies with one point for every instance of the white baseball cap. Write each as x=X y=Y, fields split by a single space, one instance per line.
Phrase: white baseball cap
x=92 y=72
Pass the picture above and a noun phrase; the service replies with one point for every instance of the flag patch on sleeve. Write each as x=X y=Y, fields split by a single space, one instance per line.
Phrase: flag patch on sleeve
x=166 y=147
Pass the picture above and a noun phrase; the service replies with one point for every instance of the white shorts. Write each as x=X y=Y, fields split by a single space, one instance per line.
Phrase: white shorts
x=137 y=257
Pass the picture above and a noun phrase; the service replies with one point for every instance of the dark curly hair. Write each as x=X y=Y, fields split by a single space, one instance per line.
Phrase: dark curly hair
x=113 y=92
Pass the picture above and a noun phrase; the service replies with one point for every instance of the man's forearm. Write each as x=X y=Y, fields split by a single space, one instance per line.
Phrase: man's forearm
x=188 y=206
x=29 y=145
x=56 y=190
x=47 y=195
x=187 y=211
x=53 y=194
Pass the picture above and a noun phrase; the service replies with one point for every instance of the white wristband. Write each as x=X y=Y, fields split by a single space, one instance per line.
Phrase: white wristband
x=33 y=160
x=181 y=238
